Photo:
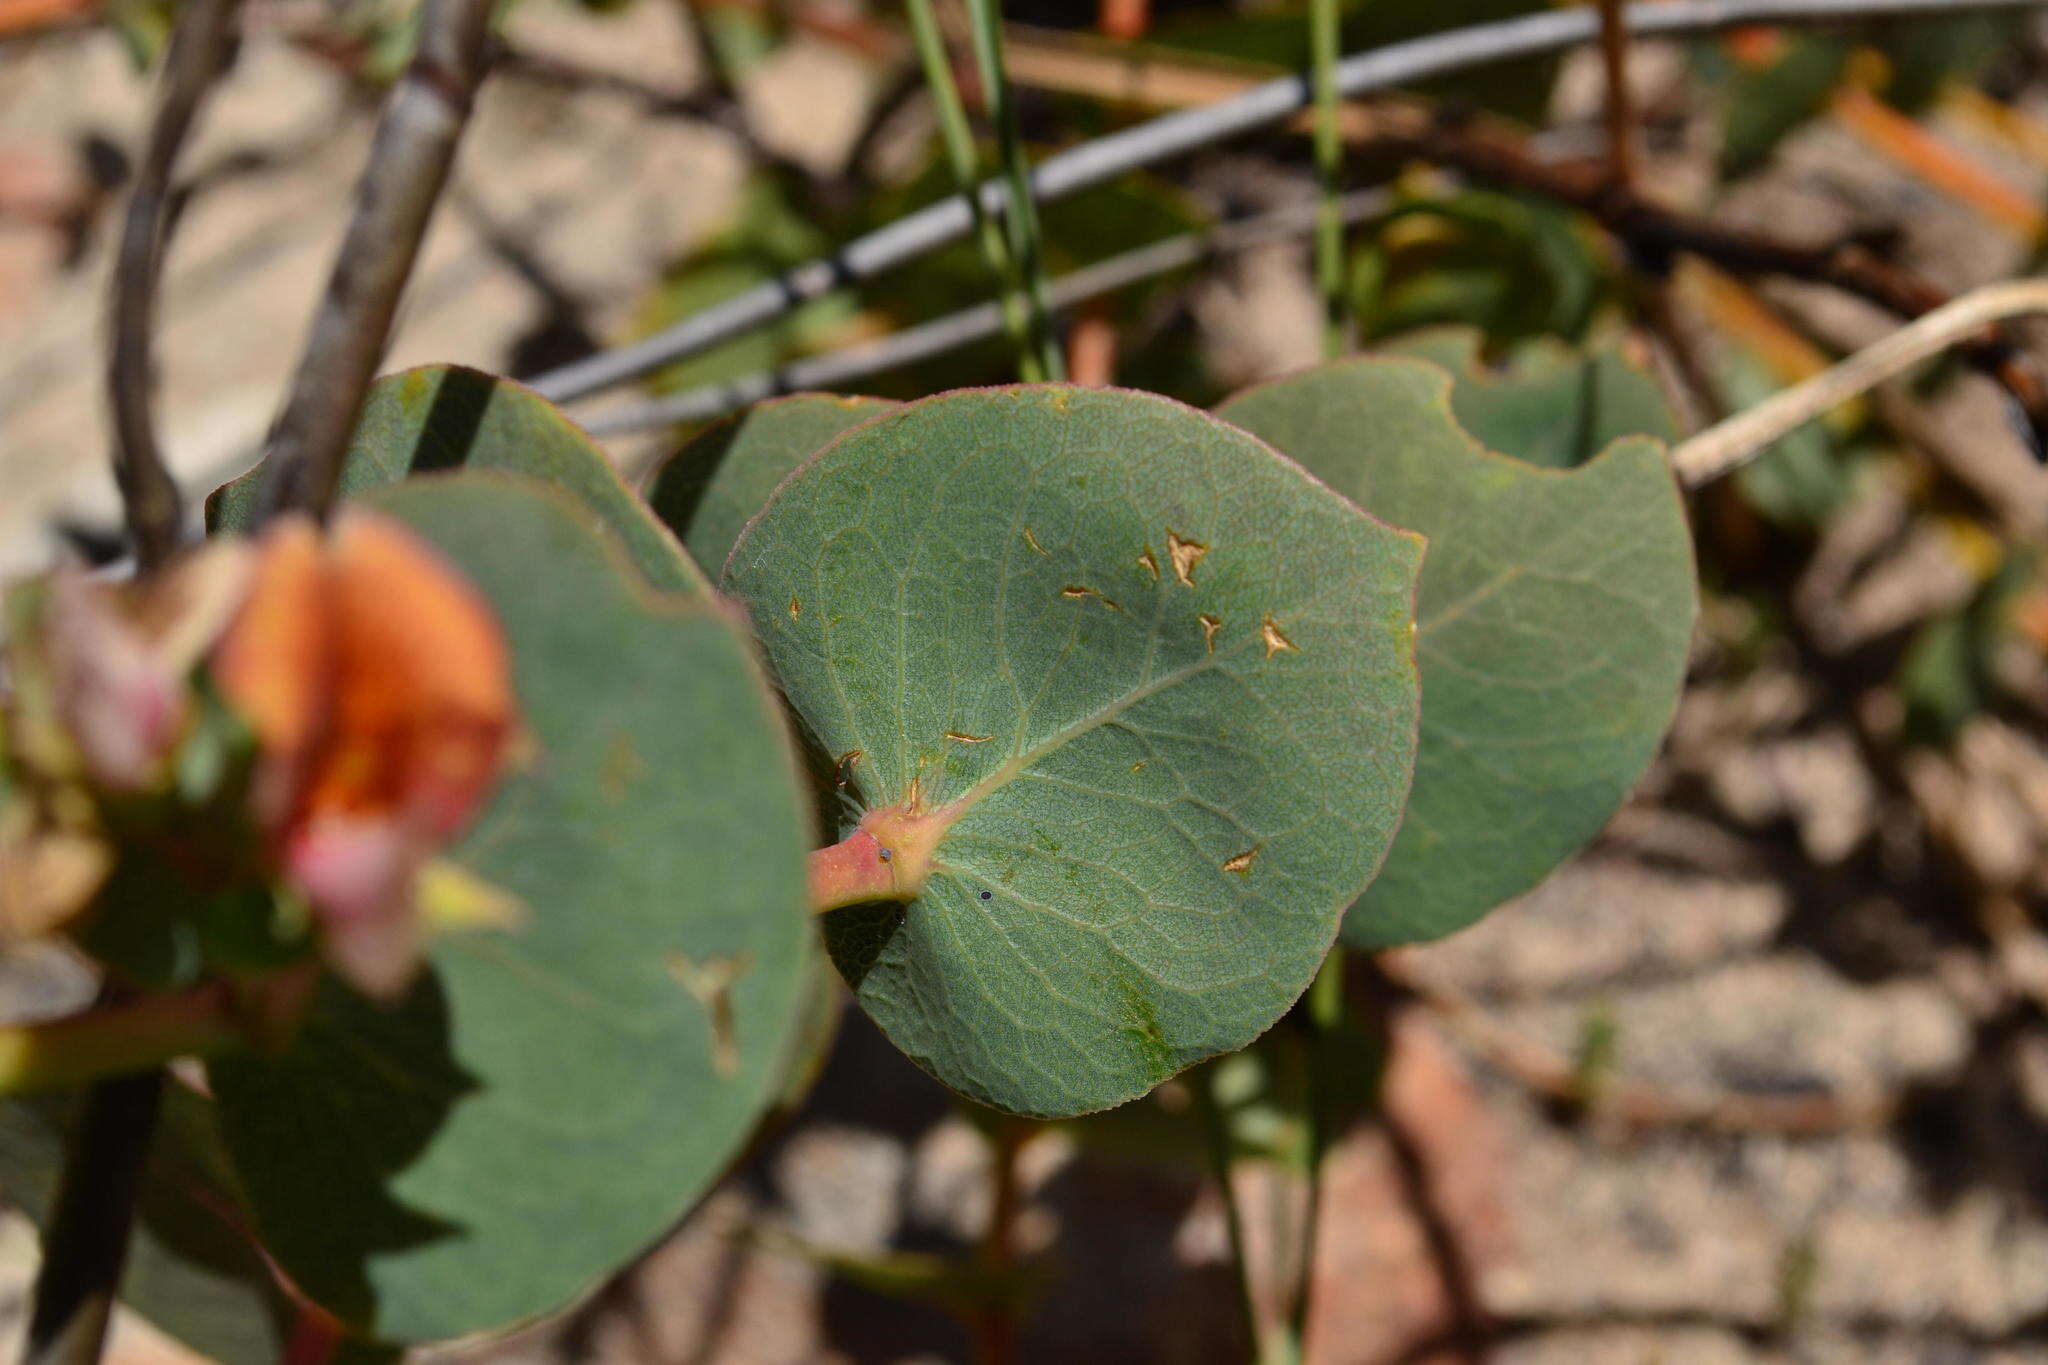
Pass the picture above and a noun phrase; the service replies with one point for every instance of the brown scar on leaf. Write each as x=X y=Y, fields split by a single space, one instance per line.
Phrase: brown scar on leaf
x=960 y=738
x=1210 y=625
x=1078 y=592
x=1242 y=863
x=1139 y=765
x=710 y=984
x=622 y=768
x=1185 y=554
x=1032 y=541
x=842 y=766
x=1148 y=563
x=1275 y=641
x=796 y=608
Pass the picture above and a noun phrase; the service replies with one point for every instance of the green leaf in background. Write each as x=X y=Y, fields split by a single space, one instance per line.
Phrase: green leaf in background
x=1925 y=56
x=446 y=417
x=1555 y=613
x=1802 y=478
x=1160 y=683
x=552 y=1096
x=1764 y=103
x=1513 y=266
x=1547 y=404
x=706 y=491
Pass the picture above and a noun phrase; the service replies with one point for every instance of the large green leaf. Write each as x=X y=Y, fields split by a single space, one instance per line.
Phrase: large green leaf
x=551 y=1097
x=706 y=491
x=1547 y=403
x=1160 y=682
x=442 y=417
x=1554 y=616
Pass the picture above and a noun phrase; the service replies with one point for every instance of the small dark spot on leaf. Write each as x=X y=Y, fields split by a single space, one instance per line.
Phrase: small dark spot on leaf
x=988 y=895
x=622 y=767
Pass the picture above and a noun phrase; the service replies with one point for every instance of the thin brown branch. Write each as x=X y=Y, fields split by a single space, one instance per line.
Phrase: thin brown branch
x=1630 y=1103
x=1619 y=108
x=150 y=502
x=409 y=163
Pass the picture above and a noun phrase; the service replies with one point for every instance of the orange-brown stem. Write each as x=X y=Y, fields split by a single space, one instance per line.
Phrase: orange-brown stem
x=888 y=858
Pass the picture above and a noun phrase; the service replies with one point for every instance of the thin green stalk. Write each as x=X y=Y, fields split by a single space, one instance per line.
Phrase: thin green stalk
x=1322 y=21
x=1219 y=1165
x=958 y=137
x=1325 y=1017
x=1026 y=237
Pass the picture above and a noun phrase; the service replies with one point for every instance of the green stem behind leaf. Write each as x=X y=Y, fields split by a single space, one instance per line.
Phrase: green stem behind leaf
x=1325 y=1015
x=1323 y=39
x=958 y=137
x=1026 y=238
x=1204 y=1079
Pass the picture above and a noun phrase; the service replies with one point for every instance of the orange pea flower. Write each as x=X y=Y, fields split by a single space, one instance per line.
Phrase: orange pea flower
x=378 y=685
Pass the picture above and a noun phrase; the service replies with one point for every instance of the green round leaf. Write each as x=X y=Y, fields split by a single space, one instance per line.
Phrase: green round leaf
x=1548 y=404
x=442 y=417
x=551 y=1097
x=1555 y=612
x=706 y=491
x=1161 y=683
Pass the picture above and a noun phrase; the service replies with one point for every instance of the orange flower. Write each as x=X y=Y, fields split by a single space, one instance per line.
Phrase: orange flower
x=378 y=684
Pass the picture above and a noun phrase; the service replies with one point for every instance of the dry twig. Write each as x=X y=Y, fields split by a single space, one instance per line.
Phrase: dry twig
x=150 y=501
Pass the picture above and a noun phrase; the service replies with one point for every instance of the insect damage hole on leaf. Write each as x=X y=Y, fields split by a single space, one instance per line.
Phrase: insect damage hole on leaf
x=1185 y=554
x=1148 y=563
x=710 y=985
x=1276 y=642
x=1075 y=592
x=961 y=737
x=1210 y=625
x=1032 y=541
x=1242 y=863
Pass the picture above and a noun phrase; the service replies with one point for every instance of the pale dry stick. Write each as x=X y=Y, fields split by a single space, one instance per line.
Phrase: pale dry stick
x=150 y=501
x=1730 y=444
x=409 y=162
